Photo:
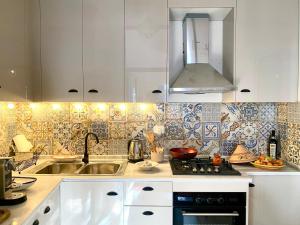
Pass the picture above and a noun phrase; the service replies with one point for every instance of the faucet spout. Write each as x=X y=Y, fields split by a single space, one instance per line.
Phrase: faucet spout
x=86 y=155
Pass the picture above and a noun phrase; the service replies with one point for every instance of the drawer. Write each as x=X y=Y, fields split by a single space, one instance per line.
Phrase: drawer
x=148 y=193
x=147 y=215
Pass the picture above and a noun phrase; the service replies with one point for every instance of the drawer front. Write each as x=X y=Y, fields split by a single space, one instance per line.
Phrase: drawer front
x=146 y=215
x=148 y=193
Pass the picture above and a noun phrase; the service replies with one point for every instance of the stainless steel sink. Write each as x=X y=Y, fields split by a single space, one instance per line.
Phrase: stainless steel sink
x=77 y=168
x=60 y=168
x=100 y=168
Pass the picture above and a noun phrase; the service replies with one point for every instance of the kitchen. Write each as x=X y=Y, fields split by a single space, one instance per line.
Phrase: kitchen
x=152 y=81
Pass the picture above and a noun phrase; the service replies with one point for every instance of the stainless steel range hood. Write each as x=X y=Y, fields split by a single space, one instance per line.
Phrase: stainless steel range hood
x=200 y=78
x=207 y=53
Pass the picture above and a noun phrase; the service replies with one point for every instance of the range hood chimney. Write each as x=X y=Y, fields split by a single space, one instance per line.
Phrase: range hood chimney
x=202 y=72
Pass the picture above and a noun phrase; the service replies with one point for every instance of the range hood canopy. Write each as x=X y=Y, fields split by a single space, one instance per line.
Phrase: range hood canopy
x=200 y=78
x=208 y=49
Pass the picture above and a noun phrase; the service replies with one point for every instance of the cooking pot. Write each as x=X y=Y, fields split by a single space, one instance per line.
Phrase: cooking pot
x=183 y=153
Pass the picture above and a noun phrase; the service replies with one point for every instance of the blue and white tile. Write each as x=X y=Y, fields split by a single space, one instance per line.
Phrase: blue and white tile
x=249 y=111
x=249 y=130
x=118 y=147
x=252 y=145
x=267 y=112
x=230 y=130
x=293 y=113
x=265 y=128
x=211 y=130
x=192 y=108
x=100 y=128
x=101 y=148
x=262 y=146
x=62 y=133
x=117 y=130
x=174 y=111
x=230 y=112
x=192 y=126
x=282 y=112
x=155 y=115
x=283 y=131
x=228 y=147
x=211 y=112
x=135 y=129
x=210 y=147
x=174 y=130
x=79 y=131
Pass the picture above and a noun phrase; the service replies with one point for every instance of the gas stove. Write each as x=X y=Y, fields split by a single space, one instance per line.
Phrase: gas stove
x=202 y=166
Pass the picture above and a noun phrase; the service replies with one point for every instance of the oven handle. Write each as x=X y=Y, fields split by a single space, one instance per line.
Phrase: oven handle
x=209 y=214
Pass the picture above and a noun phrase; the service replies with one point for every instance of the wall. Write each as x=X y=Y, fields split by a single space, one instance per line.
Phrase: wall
x=210 y=127
x=289 y=127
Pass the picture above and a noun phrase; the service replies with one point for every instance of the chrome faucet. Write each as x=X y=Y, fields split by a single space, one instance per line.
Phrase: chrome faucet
x=86 y=155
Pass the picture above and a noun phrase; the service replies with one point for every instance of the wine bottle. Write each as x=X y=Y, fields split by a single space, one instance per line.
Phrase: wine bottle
x=273 y=147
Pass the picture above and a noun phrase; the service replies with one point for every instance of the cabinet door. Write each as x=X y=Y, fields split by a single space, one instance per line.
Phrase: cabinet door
x=15 y=73
x=108 y=203
x=103 y=50
x=267 y=50
x=51 y=209
x=61 y=50
x=92 y=203
x=146 y=50
x=146 y=215
x=275 y=200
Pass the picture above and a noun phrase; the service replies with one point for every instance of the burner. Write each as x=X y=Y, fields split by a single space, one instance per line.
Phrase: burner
x=201 y=166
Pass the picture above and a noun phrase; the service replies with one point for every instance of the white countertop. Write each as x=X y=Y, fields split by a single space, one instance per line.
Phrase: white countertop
x=35 y=196
x=47 y=183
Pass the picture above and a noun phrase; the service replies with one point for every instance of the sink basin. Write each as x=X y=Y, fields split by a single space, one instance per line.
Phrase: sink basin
x=101 y=168
x=60 y=168
x=77 y=168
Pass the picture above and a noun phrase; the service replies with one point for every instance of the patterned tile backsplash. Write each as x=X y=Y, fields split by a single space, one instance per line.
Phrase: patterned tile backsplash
x=209 y=127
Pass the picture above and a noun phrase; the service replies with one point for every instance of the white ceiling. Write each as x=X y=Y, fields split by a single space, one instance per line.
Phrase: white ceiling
x=214 y=13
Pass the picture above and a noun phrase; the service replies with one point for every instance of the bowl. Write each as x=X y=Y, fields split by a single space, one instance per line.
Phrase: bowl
x=146 y=165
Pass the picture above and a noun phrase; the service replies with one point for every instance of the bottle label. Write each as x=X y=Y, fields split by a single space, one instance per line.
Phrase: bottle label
x=273 y=151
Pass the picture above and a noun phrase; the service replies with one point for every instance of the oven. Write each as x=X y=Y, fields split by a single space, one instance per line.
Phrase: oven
x=209 y=208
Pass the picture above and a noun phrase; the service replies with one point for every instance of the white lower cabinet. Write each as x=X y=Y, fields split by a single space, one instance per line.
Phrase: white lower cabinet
x=148 y=193
x=148 y=203
x=275 y=200
x=92 y=203
x=147 y=215
x=48 y=213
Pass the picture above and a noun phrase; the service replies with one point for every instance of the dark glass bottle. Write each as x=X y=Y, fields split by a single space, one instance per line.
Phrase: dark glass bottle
x=273 y=146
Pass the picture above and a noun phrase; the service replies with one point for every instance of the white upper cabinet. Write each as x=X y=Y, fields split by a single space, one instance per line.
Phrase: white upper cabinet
x=103 y=50
x=146 y=50
x=267 y=50
x=61 y=50
x=19 y=22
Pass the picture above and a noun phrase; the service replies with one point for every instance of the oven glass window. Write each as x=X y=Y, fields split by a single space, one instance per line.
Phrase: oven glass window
x=204 y=220
x=210 y=218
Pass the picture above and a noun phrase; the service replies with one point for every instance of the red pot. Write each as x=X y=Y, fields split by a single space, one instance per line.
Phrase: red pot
x=183 y=153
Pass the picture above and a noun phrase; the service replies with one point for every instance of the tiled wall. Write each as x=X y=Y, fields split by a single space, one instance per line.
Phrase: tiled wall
x=209 y=127
x=289 y=127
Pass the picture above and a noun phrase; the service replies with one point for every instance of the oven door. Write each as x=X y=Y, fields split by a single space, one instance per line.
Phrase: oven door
x=197 y=216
